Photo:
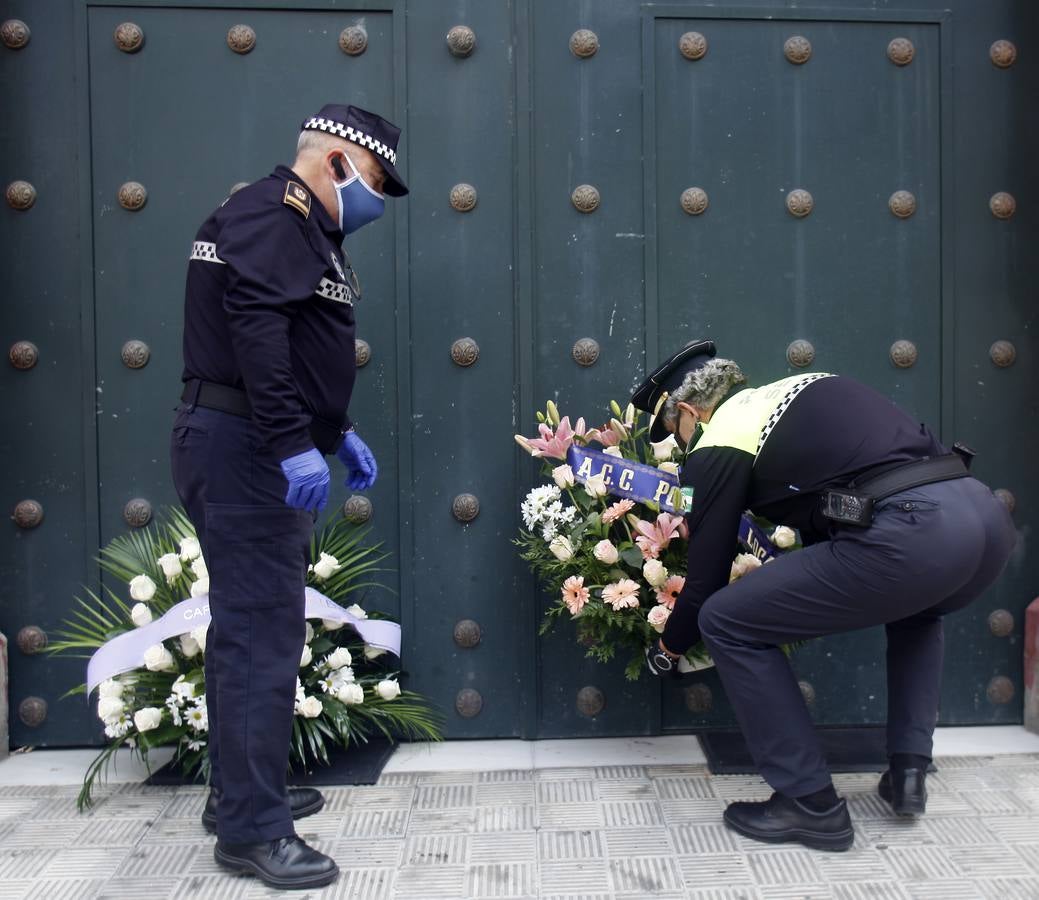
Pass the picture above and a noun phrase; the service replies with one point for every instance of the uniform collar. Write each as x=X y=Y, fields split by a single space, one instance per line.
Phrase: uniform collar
x=318 y=211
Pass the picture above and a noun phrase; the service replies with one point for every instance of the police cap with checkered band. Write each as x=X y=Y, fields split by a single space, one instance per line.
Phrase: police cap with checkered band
x=367 y=130
x=654 y=391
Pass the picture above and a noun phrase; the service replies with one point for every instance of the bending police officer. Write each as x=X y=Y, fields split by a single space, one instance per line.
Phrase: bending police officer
x=896 y=533
x=269 y=367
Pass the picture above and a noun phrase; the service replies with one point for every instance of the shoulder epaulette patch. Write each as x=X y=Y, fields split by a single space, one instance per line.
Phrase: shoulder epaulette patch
x=298 y=197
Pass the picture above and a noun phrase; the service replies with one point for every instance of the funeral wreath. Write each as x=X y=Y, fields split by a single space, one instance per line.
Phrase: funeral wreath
x=606 y=533
x=347 y=690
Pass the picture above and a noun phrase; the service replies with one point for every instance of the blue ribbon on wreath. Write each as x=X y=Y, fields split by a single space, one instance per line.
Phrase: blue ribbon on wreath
x=647 y=484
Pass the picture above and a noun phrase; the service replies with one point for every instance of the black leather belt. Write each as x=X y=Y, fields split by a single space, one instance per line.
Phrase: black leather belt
x=224 y=398
x=853 y=505
x=910 y=475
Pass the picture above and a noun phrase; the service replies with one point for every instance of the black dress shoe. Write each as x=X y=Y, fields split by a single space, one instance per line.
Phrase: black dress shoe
x=905 y=790
x=286 y=863
x=303 y=802
x=780 y=820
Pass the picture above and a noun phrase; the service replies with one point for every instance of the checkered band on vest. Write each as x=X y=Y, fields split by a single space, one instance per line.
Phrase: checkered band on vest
x=205 y=251
x=334 y=290
x=352 y=134
x=784 y=405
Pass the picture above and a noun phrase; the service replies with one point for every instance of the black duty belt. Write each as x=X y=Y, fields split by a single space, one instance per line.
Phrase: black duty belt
x=224 y=398
x=854 y=504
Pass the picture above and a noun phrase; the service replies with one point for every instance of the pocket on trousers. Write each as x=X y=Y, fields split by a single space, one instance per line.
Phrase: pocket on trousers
x=188 y=429
x=257 y=555
x=907 y=503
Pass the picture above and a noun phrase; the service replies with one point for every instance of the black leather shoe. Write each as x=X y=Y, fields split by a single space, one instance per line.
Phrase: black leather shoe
x=303 y=801
x=780 y=820
x=905 y=790
x=286 y=863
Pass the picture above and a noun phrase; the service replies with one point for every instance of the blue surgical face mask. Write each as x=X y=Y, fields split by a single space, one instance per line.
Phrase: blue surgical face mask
x=358 y=203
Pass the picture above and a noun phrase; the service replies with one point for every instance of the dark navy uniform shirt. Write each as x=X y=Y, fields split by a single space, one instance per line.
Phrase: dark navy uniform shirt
x=774 y=450
x=268 y=309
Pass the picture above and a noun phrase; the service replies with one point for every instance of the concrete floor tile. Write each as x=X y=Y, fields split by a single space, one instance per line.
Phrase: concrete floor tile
x=503 y=846
x=554 y=845
x=66 y=889
x=518 y=880
x=573 y=877
x=645 y=876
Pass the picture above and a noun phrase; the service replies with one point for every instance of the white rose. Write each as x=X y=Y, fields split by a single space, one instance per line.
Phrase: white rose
x=182 y=689
x=563 y=476
x=595 y=486
x=311 y=707
x=350 y=694
x=198 y=567
x=199 y=636
x=109 y=708
x=338 y=658
x=190 y=548
x=158 y=659
x=142 y=588
x=200 y=588
x=561 y=548
x=309 y=633
x=373 y=652
x=614 y=451
x=658 y=617
x=672 y=468
x=140 y=614
x=110 y=688
x=148 y=718
x=662 y=450
x=189 y=646
x=170 y=565
x=606 y=553
x=654 y=572
x=784 y=537
x=326 y=566
x=357 y=612
x=742 y=564
x=307 y=657
x=388 y=689
x=332 y=624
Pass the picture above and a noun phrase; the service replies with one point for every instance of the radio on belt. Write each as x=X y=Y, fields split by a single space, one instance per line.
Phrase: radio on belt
x=847 y=507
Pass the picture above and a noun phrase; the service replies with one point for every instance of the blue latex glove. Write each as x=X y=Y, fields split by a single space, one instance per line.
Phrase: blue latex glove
x=308 y=478
x=360 y=464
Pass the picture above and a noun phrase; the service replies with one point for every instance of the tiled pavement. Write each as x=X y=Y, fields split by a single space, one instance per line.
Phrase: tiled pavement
x=594 y=833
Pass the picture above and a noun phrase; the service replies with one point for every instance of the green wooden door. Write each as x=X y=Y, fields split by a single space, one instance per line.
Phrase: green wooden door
x=592 y=185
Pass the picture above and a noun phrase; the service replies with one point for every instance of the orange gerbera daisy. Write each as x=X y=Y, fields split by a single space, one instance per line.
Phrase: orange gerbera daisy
x=616 y=511
x=668 y=594
x=575 y=594
x=622 y=594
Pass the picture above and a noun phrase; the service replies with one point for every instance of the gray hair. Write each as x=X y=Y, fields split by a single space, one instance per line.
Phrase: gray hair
x=320 y=141
x=703 y=387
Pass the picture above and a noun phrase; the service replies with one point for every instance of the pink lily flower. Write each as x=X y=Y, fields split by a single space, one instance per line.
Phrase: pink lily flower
x=605 y=436
x=555 y=444
x=654 y=537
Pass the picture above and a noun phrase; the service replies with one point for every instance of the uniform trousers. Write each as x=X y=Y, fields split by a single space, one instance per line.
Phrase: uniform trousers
x=930 y=551
x=256 y=550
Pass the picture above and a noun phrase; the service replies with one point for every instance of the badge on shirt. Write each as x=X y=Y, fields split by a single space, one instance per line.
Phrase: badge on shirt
x=338 y=266
x=298 y=197
x=687 y=499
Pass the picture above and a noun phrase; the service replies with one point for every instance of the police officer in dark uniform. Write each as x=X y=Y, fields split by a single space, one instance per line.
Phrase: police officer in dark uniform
x=896 y=533
x=269 y=367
